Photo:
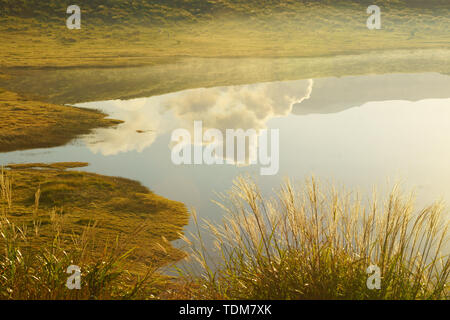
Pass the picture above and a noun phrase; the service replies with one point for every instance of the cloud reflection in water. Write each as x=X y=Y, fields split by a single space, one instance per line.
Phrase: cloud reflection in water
x=234 y=107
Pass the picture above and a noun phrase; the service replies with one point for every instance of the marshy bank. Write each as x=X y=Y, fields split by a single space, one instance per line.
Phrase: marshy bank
x=30 y=124
x=305 y=242
x=37 y=197
x=352 y=123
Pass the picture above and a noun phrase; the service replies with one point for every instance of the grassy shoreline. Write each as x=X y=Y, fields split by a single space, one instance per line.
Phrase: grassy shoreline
x=150 y=33
x=29 y=124
x=309 y=243
x=117 y=231
x=79 y=85
x=316 y=241
x=48 y=212
x=35 y=194
x=33 y=36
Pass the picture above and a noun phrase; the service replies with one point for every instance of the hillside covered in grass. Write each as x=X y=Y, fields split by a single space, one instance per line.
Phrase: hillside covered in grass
x=125 y=33
x=159 y=11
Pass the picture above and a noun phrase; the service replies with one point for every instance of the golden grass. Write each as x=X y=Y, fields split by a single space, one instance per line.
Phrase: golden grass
x=56 y=165
x=306 y=245
x=317 y=243
x=30 y=124
x=193 y=44
x=77 y=199
x=284 y=29
x=40 y=273
x=303 y=244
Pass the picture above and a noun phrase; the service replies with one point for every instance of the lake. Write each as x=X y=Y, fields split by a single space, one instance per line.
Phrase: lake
x=359 y=132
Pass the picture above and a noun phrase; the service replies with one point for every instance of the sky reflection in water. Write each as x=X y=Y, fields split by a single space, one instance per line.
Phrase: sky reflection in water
x=364 y=136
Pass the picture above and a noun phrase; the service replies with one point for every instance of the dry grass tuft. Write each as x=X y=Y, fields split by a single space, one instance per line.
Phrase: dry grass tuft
x=312 y=244
x=119 y=257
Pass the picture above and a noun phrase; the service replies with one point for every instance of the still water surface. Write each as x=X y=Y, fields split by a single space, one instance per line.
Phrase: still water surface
x=360 y=132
